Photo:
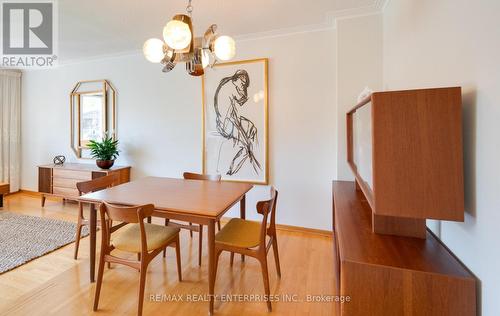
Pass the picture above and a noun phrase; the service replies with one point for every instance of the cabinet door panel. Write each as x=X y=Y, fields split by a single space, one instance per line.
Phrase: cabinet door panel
x=45 y=180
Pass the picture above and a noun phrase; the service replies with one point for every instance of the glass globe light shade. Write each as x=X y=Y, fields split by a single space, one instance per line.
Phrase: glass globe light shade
x=177 y=34
x=153 y=50
x=205 y=58
x=224 y=48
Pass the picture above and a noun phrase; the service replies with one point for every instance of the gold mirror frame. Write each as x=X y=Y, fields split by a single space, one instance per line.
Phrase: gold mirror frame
x=108 y=93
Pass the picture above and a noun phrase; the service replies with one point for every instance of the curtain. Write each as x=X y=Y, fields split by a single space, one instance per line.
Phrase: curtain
x=10 y=128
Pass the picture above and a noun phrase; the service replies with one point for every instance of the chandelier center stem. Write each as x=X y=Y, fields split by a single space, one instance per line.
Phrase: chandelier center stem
x=189 y=8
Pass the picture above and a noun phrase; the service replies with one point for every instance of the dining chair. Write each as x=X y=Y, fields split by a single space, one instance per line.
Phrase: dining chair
x=196 y=228
x=136 y=237
x=249 y=238
x=85 y=187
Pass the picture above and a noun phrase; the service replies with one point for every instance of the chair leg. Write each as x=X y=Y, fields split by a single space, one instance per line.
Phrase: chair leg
x=142 y=284
x=217 y=256
x=165 y=250
x=110 y=225
x=78 y=236
x=231 y=261
x=276 y=256
x=178 y=255
x=99 y=282
x=218 y=225
x=265 y=277
x=200 y=245
x=78 y=229
x=190 y=231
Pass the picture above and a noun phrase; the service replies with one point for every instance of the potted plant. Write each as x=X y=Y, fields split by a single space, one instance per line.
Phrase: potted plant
x=104 y=151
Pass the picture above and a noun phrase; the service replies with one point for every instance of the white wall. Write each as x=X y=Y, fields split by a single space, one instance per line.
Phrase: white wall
x=159 y=120
x=429 y=43
x=359 y=65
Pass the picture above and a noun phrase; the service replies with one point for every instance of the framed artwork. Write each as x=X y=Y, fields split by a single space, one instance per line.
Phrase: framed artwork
x=235 y=121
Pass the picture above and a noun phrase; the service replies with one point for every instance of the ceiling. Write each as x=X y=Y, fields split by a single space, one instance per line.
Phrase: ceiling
x=101 y=27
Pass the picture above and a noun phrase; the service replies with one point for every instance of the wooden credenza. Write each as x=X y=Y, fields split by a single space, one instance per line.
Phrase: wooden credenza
x=393 y=275
x=61 y=180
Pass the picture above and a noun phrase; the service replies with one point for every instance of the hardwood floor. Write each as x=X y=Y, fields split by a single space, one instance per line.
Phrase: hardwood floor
x=56 y=284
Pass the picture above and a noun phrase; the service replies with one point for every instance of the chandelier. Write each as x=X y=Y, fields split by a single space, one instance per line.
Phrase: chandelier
x=180 y=45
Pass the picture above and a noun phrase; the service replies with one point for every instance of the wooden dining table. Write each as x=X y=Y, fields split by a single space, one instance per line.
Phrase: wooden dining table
x=195 y=201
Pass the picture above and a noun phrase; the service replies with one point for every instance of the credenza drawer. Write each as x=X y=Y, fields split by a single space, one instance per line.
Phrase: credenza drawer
x=71 y=174
x=65 y=191
x=65 y=183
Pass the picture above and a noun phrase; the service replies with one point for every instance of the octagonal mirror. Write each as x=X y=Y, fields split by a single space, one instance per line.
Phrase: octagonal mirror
x=93 y=114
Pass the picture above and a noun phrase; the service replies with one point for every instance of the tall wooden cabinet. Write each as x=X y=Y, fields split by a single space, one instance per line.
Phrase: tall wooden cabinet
x=61 y=180
x=405 y=149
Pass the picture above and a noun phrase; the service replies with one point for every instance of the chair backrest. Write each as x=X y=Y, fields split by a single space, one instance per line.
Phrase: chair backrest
x=125 y=214
x=197 y=176
x=268 y=210
x=97 y=184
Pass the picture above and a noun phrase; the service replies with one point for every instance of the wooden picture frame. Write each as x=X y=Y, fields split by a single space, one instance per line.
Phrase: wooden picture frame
x=235 y=132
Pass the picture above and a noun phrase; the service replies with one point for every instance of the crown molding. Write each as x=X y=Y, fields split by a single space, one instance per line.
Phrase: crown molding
x=382 y=4
x=285 y=32
x=330 y=22
x=377 y=7
x=81 y=60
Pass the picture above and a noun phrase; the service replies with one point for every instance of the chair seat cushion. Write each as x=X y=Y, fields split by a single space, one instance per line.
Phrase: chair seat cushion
x=128 y=238
x=239 y=233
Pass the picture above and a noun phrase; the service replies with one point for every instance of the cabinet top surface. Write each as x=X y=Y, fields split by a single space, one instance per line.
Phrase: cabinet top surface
x=357 y=243
x=82 y=167
x=369 y=98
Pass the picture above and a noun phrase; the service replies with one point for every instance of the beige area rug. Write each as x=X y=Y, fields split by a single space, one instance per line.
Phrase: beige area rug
x=24 y=238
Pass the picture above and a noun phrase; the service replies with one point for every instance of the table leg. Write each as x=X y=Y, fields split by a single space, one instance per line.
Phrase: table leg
x=93 y=228
x=211 y=265
x=243 y=215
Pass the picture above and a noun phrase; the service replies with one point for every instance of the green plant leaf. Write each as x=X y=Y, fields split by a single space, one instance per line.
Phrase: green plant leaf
x=106 y=149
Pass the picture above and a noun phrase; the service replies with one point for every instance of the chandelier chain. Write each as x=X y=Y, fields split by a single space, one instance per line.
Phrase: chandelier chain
x=189 y=8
